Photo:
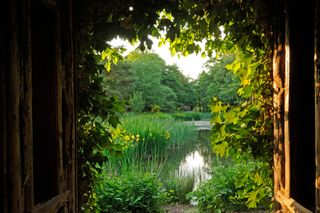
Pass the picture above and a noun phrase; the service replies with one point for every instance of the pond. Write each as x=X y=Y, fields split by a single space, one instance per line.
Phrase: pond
x=197 y=161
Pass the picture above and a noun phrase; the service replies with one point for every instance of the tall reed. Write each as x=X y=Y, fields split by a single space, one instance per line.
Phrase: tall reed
x=157 y=135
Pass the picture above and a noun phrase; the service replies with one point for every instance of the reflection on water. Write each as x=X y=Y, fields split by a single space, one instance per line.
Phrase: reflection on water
x=194 y=164
x=198 y=162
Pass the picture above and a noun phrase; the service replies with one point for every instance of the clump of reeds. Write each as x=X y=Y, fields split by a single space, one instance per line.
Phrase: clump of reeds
x=156 y=136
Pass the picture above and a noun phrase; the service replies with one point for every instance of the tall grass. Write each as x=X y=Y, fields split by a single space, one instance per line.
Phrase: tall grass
x=157 y=135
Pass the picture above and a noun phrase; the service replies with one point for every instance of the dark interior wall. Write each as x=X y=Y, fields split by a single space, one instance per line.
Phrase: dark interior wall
x=44 y=103
x=301 y=115
x=2 y=107
x=33 y=80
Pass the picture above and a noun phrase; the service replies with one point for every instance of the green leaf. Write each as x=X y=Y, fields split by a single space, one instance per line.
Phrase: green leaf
x=114 y=121
x=221 y=149
x=216 y=120
x=217 y=107
x=230 y=117
x=253 y=199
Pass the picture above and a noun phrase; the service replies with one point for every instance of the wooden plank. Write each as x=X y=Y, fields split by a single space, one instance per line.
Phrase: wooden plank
x=70 y=98
x=287 y=108
x=3 y=107
x=278 y=100
x=290 y=204
x=62 y=184
x=53 y=205
x=317 y=103
x=26 y=110
x=14 y=157
x=68 y=109
x=278 y=122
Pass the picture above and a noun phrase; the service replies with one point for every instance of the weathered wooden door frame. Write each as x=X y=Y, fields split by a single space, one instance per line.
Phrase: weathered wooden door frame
x=317 y=102
x=282 y=71
x=16 y=148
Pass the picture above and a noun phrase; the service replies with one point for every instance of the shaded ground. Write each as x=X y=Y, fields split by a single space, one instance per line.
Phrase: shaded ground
x=180 y=208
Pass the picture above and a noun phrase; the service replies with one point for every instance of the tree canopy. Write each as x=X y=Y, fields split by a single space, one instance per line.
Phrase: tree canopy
x=147 y=76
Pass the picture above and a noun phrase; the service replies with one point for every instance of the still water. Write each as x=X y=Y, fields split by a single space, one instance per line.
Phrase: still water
x=198 y=161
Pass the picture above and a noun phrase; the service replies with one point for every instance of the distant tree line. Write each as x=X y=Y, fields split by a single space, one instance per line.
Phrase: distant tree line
x=146 y=83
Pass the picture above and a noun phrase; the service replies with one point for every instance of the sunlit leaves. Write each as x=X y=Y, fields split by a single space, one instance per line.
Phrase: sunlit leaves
x=231 y=117
x=247 y=125
x=221 y=149
x=110 y=56
x=217 y=108
x=236 y=186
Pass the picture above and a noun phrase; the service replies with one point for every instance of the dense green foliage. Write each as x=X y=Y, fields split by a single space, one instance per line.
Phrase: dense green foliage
x=93 y=137
x=235 y=186
x=246 y=127
x=185 y=23
x=218 y=82
x=144 y=81
x=140 y=192
x=132 y=192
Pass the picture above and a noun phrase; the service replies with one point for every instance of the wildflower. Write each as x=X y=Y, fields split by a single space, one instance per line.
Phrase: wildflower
x=167 y=135
x=126 y=138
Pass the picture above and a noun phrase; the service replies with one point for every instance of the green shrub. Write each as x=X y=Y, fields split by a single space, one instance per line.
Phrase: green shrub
x=235 y=187
x=176 y=188
x=137 y=102
x=129 y=193
x=155 y=108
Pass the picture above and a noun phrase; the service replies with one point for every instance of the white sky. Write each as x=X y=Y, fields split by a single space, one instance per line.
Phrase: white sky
x=191 y=66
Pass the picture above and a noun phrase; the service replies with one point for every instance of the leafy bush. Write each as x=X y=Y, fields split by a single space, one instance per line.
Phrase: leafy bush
x=176 y=188
x=137 y=102
x=246 y=127
x=155 y=108
x=129 y=193
x=234 y=187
